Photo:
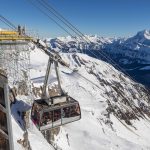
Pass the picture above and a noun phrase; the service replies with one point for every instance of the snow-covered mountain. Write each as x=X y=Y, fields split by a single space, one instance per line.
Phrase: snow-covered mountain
x=115 y=110
x=79 y=44
x=142 y=38
x=136 y=48
x=133 y=54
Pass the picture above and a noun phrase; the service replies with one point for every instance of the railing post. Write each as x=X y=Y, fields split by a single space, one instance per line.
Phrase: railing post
x=9 y=123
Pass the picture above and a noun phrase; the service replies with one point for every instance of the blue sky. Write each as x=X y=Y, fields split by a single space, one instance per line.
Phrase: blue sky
x=102 y=17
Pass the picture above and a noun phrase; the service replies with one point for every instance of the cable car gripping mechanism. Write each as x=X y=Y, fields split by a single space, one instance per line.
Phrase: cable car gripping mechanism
x=54 y=58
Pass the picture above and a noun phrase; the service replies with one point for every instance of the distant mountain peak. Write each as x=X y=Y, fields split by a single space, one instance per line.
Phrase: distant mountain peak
x=144 y=34
x=139 y=41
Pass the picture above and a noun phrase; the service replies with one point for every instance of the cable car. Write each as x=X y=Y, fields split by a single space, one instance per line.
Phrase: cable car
x=55 y=110
x=46 y=117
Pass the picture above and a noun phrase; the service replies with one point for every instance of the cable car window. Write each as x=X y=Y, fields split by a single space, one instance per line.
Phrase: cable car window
x=47 y=118
x=74 y=112
x=2 y=98
x=3 y=122
x=4 y=143
x=57 y=117
x=35 y=115
x=65 y=115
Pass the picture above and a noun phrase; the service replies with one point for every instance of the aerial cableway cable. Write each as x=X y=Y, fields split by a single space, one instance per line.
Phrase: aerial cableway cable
x=80 y=34
x=7 y=22
x=47 y=6
x=52 y=10
x=66 y=22
x=56 y=22
x=61 y=18
x=42 y=11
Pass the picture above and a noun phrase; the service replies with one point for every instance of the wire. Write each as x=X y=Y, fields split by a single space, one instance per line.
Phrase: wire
x=102 y=53
x=40 y=9
x=79 y=33
x=52 y=8
x=33 y=3
x=47 y=6
x=7 y=22
x=62 y=19
x=74 y=29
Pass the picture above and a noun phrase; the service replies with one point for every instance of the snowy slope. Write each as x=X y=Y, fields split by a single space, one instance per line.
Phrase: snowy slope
x=115 y=110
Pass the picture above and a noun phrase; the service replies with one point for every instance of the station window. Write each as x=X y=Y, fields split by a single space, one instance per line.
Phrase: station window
x=3 y=122
x=2 y=98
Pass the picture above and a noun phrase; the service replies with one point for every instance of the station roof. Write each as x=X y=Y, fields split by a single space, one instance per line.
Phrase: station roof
x=7 y=35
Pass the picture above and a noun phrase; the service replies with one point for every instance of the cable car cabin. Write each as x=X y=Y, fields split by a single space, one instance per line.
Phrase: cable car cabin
x=46 y=116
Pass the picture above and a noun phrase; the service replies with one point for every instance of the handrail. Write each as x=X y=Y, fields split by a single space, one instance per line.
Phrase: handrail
x=14 y=37
x=7 y=32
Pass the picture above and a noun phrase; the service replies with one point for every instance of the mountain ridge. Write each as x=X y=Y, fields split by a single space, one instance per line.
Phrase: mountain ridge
x=132 y=54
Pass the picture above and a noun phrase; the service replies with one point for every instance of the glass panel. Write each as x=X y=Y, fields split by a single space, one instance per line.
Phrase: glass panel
x=74 y=112
x=35 y=115
x=46 y=120
x=65 y=115
x=3 y=122
x=2 y=99
x=4 y=143
x=57 y=118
